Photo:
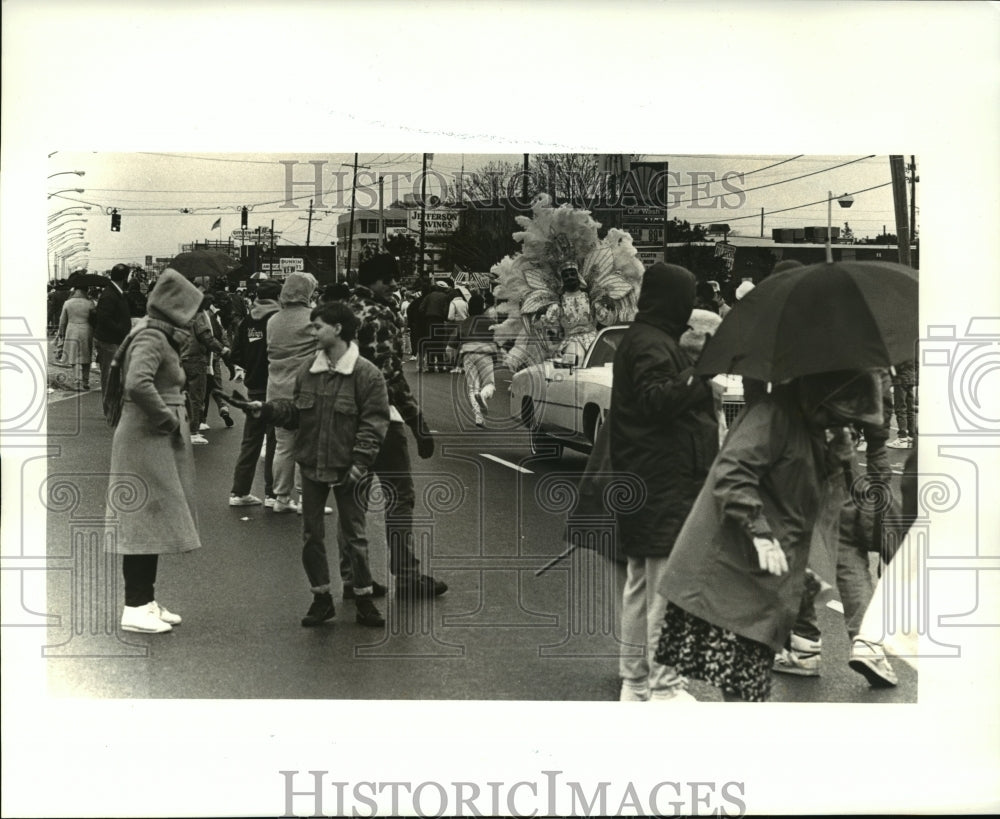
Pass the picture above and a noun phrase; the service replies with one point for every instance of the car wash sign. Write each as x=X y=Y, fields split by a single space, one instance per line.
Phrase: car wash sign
x=436 y=221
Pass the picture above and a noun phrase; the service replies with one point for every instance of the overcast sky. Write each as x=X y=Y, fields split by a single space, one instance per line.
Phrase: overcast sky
x=152 y=191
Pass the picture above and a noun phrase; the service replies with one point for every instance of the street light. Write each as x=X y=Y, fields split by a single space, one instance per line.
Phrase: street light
x=67 y=190
x=78 y=173
x=58 y=213
x=63 y=224
x=69 y=237
x=845 y=201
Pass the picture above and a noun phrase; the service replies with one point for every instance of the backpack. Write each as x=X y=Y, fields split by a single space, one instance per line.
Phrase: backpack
x=114 y=393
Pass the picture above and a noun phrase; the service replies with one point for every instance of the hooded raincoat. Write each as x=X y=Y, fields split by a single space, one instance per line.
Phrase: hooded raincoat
x=663 y=426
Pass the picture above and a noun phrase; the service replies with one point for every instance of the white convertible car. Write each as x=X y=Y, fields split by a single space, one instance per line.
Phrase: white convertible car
x=564 y=403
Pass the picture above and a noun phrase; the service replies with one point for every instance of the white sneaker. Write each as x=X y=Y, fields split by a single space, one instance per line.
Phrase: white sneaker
x=198 y=439
x=269 y=502
x=633 y=693
x=327 y=510
x=166 y=616
x=487 y=392
x=672 y=695
x=286 y=506
x=144 y=619
x=203 y=426
x=244 y=500
x=869 y=659
x=801 y=660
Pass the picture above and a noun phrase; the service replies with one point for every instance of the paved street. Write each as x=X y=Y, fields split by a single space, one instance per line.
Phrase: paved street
x=489 y=517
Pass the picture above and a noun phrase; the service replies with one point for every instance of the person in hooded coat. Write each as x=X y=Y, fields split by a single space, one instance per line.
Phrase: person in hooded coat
x=663 y=429
x=151 y=454
x=735 y=578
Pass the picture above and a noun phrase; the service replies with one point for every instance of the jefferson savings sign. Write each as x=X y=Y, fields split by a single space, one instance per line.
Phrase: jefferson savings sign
x=437 y=222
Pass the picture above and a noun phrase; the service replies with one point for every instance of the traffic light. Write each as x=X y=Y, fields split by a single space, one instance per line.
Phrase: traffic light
x=243 y=218
x=116 y=221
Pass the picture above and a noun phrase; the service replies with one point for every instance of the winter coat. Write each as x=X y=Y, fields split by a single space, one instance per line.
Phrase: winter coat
x=663 y=426
x=340 y=414
x=75 y=330
x=768 y=480
x=201 y=343
x=290 y=341
x=380 y=340
x=151 y=445
x=250 y=346
x=113 y=316
x=435 y=305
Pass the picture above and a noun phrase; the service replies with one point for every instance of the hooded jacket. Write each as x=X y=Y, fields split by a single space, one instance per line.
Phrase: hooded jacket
x=250 y=345
x=290 y=342
x=663 y=426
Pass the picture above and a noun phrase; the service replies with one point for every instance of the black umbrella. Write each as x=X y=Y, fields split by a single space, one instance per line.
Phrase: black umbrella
x=820 y=318
x=83 y=280
x=203 y=264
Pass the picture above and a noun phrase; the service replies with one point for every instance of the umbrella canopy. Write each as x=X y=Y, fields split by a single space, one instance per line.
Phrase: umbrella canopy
x=83 y=280
x=202 y=264
x=819 y=318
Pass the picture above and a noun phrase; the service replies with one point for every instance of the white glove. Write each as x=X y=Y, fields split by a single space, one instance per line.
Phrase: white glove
x=771 y=555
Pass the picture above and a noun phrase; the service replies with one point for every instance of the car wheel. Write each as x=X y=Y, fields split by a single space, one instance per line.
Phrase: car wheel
x=598 y=423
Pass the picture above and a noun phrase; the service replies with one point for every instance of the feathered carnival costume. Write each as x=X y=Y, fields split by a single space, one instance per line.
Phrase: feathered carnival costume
x=564 y=284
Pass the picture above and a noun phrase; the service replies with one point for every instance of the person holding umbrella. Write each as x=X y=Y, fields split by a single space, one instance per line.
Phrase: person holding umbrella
x=813 y=339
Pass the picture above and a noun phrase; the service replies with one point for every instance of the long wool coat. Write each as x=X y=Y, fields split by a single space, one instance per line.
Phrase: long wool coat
x=151 y=453
x=74 y=324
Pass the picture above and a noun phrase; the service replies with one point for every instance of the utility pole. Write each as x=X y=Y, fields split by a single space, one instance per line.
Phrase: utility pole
x=350 y=238
x=381 y=214
x=309 y=226
x=899 y=201
x=272 y=245
x=524 y=181
x=423 y=214
x=913 y=194
x=762 y=223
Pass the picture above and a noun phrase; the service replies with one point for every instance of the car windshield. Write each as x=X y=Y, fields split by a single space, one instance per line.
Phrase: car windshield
x=605 y=346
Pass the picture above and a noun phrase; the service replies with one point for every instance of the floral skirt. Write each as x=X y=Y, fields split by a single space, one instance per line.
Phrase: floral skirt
x=698 y=649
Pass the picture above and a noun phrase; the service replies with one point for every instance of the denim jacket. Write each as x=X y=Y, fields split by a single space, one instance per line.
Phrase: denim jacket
x=340 y=414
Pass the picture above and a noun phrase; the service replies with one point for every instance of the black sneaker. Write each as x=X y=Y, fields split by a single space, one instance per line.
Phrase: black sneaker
x=420 y=586
x=227 y=418
x=320 y=611
x=368 y=615
x=378 y=590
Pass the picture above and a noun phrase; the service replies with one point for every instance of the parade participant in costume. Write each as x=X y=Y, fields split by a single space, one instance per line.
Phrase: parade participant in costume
x=564 y=284
x=475 y=349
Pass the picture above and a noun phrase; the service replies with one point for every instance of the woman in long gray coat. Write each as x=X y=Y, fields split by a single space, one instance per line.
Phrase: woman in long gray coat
x=734 y=579
x=76 y=336
x=152 y=448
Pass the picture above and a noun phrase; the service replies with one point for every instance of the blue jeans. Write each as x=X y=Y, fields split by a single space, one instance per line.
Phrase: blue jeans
x=350 y=521
x=392 y=467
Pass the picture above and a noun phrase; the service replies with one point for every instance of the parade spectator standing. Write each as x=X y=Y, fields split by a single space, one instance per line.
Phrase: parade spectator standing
x=112 y=321
x=379 y=338
x=339 y=412
x=151 y=441
x=735 y=579
x=458 y=311
x=58 y=293
x=195 y=358
x=664 y=429
x=213 y=386
x=290 y=343
x=74 y=341
x=903 y=385
x=250 y=353
x=417 y=323
x=435 y=306
x=476 y=350
x=136 y=300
